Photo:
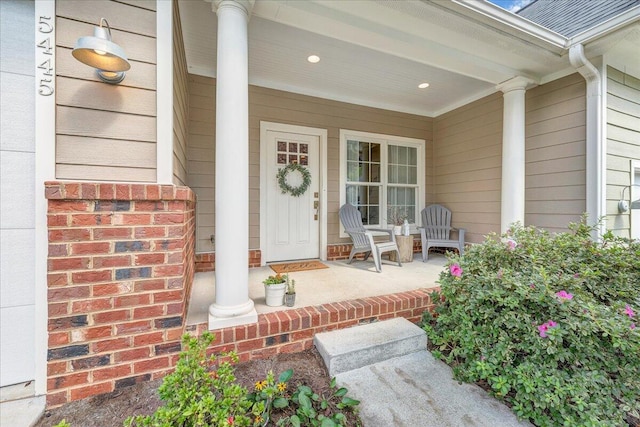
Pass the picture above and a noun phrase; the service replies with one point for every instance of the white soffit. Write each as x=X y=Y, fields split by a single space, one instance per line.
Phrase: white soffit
x=373 y=53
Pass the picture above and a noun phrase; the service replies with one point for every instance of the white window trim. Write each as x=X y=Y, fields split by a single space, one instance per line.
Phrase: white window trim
x=634 y=194
x=384 y=140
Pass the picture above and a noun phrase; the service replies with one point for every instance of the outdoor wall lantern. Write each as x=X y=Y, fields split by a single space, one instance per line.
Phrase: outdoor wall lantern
x=623 y=205
x=99 y=52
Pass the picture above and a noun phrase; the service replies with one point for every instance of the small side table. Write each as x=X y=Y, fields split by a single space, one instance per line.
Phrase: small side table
x=405 y=246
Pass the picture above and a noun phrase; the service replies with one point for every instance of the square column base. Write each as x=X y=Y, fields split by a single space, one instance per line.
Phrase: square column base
x=226 y=322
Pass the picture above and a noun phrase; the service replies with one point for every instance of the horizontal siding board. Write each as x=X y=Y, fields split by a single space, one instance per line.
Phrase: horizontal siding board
x=629 y=148
x=556 y=123
x=121 y=16
x=104 y=124
x=555 y=223
x=104 y=173
x=144 y=4
x=615 y=103
x=568 y=192
x=559 y=151
x=99 y=96
x=623 y=120
x=623 y=91
x=576 y=207
x=546 y=180
x=106 y=152
x=561 y=136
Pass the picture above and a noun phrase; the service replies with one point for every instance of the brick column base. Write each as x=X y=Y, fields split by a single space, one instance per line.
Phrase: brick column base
x=120 y=270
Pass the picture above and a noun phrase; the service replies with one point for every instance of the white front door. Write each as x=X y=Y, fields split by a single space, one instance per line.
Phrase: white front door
x=292 y=223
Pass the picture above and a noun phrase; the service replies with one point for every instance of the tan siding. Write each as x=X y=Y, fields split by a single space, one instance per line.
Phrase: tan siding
x=467 y=159
x=555 y=153
x=98 y=124
x=623 y=143
x=284 y=107
x=180 y=102
x=201 y=155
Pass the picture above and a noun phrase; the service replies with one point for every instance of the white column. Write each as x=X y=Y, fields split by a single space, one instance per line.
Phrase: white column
x=232 y=305
x=513 y=148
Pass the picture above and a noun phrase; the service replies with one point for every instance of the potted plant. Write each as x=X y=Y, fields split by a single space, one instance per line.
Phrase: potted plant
x=274 y=289
x=397 y=217
x=290 y=295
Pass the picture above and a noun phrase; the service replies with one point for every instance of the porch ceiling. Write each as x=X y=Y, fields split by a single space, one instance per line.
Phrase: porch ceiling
x=375 y=53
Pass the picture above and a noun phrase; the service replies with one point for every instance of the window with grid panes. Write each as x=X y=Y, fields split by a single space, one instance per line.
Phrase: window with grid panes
x=382 y=176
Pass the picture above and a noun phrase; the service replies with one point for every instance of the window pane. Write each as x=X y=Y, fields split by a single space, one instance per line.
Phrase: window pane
x=375 y=153
x=352 y=171
x=375 y=172
x=393 y=154
x=364 y=172
x=352 y=150
x=374 y=195
x=393 y=174
x=402 y=175
x=352 y=194
x=402 y=155
x=364 y=151
x=413 y=175
x=413 y=156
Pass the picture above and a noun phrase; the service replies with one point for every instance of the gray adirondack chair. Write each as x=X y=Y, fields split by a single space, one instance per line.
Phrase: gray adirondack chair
x=362 y=238
x=436 y=231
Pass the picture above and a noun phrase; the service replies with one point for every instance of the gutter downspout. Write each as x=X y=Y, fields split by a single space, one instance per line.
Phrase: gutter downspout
x=595 y=203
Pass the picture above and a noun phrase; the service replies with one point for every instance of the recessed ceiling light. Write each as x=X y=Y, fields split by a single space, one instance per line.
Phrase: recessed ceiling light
x=423 y=85
x=313 y=59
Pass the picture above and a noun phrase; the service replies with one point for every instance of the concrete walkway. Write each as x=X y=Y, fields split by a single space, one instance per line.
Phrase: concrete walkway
x=405 y=387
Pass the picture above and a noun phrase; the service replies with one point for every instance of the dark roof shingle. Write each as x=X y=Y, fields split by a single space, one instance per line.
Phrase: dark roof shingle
x=571 y=17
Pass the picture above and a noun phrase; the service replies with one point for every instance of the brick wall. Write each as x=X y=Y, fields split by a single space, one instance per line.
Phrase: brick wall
x=290 y=331
x=342 y=251
x=206 y=261
x=120 y=270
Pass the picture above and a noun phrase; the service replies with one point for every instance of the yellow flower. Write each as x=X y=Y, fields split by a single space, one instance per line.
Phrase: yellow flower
x=260 y=385
x=282 y=386
x=258 y=419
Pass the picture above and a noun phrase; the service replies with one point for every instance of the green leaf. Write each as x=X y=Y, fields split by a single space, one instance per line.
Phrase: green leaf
x=280 y=402
x=340 y=392
x=285 y=376
x=349 y=401
x=328 y=422
x=295 y=421
x=304 y=400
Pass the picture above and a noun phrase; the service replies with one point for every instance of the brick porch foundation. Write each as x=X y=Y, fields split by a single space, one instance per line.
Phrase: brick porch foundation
x=290 y=331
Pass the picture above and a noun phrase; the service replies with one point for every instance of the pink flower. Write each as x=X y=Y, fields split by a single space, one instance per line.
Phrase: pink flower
x=545 y=327
x=230 y=421
x=633 y=326
x=629 y=311
x=564 y=295
x=576 y=276
x=455 y=270
x=511 y=244
x=532 y=285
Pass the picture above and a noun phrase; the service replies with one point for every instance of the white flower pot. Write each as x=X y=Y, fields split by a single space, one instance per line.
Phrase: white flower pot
x=274 y=294
x=397 y=230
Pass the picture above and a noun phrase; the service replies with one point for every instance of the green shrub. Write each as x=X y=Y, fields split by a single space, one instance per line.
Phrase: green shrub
x=198 y=394
x=548 y=322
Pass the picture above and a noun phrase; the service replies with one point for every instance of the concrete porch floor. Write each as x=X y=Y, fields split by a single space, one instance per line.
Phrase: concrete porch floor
x=339 y=282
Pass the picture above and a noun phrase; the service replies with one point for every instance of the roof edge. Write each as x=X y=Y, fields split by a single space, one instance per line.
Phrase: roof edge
x=606 y=27
x=504 y=17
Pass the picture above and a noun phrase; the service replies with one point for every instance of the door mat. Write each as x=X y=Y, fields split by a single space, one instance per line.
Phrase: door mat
x=289 y=267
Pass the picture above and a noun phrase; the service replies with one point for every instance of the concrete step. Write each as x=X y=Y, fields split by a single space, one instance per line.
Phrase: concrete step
x=346 y=349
